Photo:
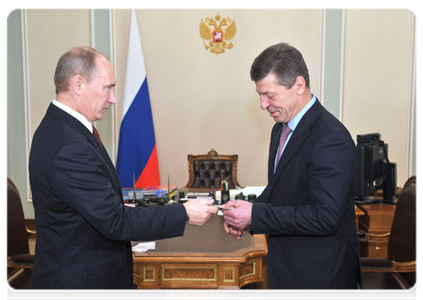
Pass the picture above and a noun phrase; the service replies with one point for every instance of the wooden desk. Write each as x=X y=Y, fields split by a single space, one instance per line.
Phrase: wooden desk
x=376 y=222
x=358 y=214
x=205 y=257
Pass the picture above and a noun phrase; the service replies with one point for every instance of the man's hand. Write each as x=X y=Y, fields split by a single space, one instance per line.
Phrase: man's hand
x=234 y=232
x=237 y=213
x=199 y=211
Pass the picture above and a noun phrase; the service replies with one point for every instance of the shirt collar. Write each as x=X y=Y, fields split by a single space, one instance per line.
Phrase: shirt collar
x=74 y=114
x=296 y=120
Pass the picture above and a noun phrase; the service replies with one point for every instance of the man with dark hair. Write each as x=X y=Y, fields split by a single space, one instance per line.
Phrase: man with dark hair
x=83 y=227
x=307 y=209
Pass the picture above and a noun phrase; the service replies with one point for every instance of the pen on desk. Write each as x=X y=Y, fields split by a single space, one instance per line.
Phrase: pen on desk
x=168 y=187
x=134 y=191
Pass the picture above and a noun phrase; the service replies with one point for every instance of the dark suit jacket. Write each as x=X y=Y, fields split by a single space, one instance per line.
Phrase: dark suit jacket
x=307 y=209
x=83 y=228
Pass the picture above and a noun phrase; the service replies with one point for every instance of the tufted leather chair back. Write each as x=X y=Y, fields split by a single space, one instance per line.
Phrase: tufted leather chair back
x=208 y=171
x=17 y=236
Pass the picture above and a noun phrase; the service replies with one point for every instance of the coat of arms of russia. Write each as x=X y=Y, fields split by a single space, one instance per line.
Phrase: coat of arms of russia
x=217 y=32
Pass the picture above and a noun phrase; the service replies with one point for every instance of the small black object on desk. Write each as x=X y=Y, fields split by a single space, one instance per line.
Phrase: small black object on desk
x=251 y=197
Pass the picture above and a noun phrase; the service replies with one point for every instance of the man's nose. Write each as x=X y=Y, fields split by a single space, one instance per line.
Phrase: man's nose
x=112 y=98
x=263 y=102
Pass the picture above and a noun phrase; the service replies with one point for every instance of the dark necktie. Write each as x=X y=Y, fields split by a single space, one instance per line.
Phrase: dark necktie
x=97 y=136
x=284 y=135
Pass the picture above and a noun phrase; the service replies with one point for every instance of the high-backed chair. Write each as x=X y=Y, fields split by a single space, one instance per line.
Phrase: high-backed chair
x=19 y=260
x=208 y=170
x=398 y=271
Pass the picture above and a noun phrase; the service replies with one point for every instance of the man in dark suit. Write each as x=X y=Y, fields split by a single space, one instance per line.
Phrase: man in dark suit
x=83 y=227
x=307 y=209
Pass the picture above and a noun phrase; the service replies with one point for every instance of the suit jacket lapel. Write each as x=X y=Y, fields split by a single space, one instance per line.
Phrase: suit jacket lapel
x=299 y=136
x=80 y=128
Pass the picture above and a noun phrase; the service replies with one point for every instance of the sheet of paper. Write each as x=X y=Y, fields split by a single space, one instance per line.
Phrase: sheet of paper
x=143 y=247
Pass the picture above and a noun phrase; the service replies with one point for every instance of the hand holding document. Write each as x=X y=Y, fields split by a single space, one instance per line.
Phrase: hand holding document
x=237 y=215
x=199 y=211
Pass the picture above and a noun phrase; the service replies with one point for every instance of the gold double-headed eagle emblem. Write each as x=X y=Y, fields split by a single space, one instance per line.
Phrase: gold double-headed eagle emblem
x=217 y=32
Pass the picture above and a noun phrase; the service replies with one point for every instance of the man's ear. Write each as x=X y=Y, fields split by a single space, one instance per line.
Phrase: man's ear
x=300 y=85
x=77 y=84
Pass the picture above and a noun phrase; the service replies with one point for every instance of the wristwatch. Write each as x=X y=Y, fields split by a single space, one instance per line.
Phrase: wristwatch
x=187 y=219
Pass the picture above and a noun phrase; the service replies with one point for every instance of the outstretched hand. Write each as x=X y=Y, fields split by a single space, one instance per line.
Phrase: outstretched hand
x=199 y=211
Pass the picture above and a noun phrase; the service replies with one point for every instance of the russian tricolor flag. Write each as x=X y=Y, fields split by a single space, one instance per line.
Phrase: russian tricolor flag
x=137 y=153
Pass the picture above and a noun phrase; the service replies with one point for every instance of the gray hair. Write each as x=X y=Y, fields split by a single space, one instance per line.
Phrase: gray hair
x=77 y=61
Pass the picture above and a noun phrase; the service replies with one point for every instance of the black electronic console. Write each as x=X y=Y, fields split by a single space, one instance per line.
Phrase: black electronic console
x=375 y=171
x=148 y=201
